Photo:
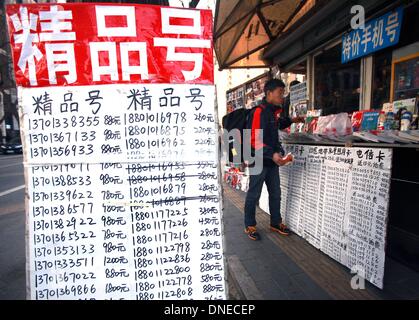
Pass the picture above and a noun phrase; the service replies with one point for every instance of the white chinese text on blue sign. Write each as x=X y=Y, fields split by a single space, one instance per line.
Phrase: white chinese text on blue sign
x=377 y=34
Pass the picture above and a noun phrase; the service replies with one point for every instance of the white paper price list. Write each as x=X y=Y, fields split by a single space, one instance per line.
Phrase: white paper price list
x=337 y=199
x=143 y=225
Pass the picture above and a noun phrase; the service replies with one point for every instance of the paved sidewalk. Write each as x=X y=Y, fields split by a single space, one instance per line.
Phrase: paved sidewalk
x=289 y=268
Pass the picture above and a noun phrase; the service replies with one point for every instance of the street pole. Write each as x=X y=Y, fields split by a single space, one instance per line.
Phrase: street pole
x=2 y=119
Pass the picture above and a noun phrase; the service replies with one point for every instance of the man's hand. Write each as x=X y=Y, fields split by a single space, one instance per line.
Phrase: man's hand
x=281 y=161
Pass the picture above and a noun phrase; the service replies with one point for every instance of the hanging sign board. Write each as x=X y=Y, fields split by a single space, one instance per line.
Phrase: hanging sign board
x=376 y=34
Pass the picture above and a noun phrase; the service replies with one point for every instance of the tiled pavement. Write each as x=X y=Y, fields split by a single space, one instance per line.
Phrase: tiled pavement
x=289 y=268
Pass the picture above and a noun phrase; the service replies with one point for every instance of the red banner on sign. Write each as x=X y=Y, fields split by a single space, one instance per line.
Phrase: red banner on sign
x=85 y=44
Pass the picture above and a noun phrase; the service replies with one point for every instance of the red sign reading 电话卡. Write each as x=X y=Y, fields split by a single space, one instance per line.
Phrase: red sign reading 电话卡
x=85 y=44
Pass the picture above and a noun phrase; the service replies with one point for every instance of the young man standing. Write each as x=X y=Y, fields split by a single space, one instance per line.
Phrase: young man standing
x=269 y=117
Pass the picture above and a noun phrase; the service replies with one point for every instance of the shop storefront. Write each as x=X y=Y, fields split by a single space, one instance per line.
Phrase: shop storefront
x=365 y=85
x=351 y=190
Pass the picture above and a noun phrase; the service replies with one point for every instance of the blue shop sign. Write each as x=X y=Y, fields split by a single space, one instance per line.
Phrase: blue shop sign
x=377 y=34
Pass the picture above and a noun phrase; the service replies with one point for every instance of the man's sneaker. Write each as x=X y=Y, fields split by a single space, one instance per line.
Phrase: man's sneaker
x=252 y=233
x=281 y=229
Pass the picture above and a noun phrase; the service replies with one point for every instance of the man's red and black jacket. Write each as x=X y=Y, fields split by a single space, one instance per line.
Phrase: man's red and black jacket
x=270 y=118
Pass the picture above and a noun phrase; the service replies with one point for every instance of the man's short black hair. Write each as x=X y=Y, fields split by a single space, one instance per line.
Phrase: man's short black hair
x=272 y=84
x=294 y=82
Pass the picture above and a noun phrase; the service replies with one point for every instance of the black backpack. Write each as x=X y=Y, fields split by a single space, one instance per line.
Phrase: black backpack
x=236 y=120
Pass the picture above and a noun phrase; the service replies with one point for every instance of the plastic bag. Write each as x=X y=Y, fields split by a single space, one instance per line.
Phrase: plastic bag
x=334 y=124
x=341 y=125
x=322 y=124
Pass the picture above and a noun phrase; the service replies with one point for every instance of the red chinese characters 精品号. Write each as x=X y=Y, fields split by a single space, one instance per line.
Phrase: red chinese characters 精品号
x=85 y=44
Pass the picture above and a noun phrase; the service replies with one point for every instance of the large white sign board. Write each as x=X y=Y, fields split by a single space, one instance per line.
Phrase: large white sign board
x=123 y=203
x=120 y=151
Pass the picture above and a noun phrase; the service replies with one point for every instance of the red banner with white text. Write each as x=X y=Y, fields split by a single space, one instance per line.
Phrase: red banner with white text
x=86 y=44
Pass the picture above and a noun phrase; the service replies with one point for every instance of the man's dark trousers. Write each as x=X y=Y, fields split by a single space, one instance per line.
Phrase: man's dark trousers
x=270 y=175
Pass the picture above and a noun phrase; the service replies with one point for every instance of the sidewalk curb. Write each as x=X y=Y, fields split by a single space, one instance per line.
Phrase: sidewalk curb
x=242 y=281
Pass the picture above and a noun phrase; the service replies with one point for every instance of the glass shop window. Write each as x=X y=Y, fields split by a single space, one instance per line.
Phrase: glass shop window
x=406 y=77
x=337 y=85
x=381 y=81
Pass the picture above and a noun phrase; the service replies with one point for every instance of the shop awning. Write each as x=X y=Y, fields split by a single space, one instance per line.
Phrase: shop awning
x=243 y=28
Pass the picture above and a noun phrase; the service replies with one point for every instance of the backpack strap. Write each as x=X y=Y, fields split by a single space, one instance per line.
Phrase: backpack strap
x=262 y=106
